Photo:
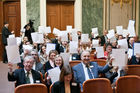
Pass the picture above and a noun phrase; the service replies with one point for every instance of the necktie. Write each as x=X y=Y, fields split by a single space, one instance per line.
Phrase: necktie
x=89 y=73
x=27 y=78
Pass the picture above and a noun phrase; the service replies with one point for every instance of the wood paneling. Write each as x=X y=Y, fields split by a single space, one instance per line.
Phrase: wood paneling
x=60 y=14
x=12 y=15
x=67 y=14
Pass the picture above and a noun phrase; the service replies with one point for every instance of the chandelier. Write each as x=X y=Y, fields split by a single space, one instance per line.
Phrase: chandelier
x=121 y=2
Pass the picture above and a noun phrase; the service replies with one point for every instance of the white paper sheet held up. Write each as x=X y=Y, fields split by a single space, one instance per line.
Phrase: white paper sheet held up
x=47 y=29
x=120 y=58
x=136 y=48
x=11 y=41
x=28 y=47
x=130 y=53
x=18 y=40
x=64 y=37
x=111 y=33
x=131 y=28
x=100 y=52
x=85 y=38
x=54 y=74
x=69 y=28
x=37 y=37
x=73 y=46
x=95 y=31
x=125 y=32
x=74 y=37
x=123 y=44
x=11 y=36
x=49 y=47
x=13 y=54
x=56 y=31
x=95 y=43
x=119 y=30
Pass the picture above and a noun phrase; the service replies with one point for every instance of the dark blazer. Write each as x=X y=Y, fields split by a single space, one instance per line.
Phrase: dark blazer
x=5 y=34
x=59 y=87
x=133 y=60
x=19 y=76
x=48 y=66
x=79 y=73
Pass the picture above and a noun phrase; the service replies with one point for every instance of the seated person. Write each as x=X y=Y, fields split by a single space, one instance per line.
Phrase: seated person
x=65 y=83
x=116 y=72
x=88 y=70
x=24 y=75
x=59 y=61
x=135 y=59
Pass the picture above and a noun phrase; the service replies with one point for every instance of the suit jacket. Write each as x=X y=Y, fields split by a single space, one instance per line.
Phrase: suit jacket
x=5 y=34
x=79 y=74
x=59 y=87
x=19 y=76
x=39 y=67
x=48 y=66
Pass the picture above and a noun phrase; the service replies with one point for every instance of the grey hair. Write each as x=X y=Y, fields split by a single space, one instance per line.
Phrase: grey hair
x=28 y=58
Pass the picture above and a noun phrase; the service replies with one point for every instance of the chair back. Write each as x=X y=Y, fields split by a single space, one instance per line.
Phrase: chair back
x=133 y=70
x=99 y=85
x=42 y=80
x=128 y=84
x=75 y=62
x=31 y=88
x=100 y=62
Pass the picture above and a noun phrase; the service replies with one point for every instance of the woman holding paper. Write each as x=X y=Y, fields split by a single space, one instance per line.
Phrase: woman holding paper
x=59 y=61
x=65 y=84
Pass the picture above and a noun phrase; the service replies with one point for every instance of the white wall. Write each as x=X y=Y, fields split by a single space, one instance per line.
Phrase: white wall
x=43 y=12
x=78 y=14
x=23 y=13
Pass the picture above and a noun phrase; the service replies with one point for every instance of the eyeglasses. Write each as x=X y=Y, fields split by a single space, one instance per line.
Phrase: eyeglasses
x=34 y=54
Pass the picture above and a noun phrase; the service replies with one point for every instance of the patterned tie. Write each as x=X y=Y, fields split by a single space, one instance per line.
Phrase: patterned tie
x=27 y=78
x=89 y=73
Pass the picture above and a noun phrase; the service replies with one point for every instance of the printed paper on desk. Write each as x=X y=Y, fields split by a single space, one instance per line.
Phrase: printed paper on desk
x=11 y=36
x=125 y=32
x=73 y=46
x=28 y=47
x=95 y=43
x=136 y=48
x=11 y=41
x=54 y=74
x=85 y=38
x=95 y=31
x=120 y=58
x=56 y=31
x=13 y=54
x=47 y=29
x=123 y=44
x=111 y=33
x=119 y=30
x=100 y=52
x=49 y=47
x=74 y=37
x=66 y=57
x=131 y=28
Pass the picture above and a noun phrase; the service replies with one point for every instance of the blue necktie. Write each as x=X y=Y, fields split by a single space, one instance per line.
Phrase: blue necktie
x=89 y=73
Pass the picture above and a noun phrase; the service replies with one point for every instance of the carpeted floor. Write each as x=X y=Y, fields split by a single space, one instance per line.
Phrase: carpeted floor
x=5 y=85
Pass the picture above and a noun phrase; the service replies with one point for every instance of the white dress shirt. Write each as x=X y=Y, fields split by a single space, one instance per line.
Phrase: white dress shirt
x=85 y=71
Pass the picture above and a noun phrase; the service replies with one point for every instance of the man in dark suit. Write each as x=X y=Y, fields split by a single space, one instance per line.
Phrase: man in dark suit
x=104 y=38
x=25 y=75
x=88 y=70
x=5 y=35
